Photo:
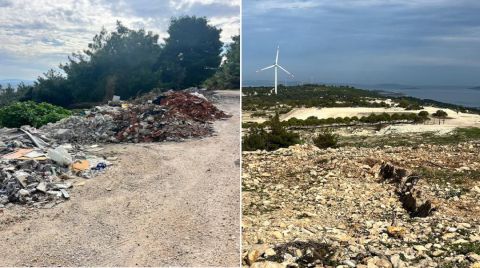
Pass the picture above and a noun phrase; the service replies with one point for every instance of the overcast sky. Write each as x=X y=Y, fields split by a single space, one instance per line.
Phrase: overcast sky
x=36 y=35
x=413 y=42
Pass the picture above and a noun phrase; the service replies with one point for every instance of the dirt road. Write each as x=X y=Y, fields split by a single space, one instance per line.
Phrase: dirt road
x=161 y=204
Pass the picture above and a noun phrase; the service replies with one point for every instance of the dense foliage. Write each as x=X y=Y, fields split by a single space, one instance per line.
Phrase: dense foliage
x=440 y=114
x=309 y=96
x=30 y=113
x=191 y=53
x=371 y=119
x=9 y=94
x=312 y=95
x=277 y=137
x=128 y=63
x=228 y=75
x=326 y=139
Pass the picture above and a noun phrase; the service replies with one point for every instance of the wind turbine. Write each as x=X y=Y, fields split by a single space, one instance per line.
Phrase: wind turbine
x=276 y=66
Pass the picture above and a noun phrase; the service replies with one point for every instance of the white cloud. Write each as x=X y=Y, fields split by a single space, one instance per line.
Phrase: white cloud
x=45 y=29
x=267 y=5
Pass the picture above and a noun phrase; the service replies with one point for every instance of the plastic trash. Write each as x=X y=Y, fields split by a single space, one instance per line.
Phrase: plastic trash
x=60 y=156
x=80 y=165
x=100 y=166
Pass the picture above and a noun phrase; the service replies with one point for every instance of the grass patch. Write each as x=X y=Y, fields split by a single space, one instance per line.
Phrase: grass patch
x=412 y=140
x=318 y=253
x=443 y=176
x=466 y=248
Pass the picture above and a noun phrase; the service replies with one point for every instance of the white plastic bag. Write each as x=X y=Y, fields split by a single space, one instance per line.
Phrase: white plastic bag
x=60 y=156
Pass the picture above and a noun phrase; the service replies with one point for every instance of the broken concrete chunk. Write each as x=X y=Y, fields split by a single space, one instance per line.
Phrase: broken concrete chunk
x=21 y=177
x=23 y=192
x=65 y=194
x=60 y=156
x=42 y=187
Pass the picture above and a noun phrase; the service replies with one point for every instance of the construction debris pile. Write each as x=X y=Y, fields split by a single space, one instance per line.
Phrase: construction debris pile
x=362 y=207
x=170 y=117
x=38 y=166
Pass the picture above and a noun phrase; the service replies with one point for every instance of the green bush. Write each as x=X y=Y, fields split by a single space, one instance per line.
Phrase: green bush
x=440 y=114
x=259 y=114
x=326 y=139
x=423 y=114
x=261 y=139
x=31 y=113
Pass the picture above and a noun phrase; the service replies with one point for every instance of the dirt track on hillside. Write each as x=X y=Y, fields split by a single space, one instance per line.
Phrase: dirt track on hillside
x=161 y=204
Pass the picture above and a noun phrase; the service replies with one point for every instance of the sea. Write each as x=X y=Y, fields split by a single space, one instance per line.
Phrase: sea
x=464 y=96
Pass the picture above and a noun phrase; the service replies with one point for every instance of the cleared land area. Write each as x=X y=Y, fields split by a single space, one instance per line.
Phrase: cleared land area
x=160 y=204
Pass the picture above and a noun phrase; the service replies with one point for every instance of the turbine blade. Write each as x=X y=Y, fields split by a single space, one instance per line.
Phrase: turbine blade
x=266 y=68
x=285 y=70
x=276 y=58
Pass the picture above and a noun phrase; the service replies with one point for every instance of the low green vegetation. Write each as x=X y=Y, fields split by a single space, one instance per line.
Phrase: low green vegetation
x=412 y=140
x=30 y=113
x=259 y=114
x=314 y=121
x=465 y=248
x=259 y=138
x=309 y=96
x=313 y=95
x=443 y=176
x=409 y=104
x=326 y=139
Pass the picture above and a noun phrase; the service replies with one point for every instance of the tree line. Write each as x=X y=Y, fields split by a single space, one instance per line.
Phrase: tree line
x=128 y=63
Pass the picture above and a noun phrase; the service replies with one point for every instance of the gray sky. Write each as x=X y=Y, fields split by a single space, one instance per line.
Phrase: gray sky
x=36 y=35
x=412 y=42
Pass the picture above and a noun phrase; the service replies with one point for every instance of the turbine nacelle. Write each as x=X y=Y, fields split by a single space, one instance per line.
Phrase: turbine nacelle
x=276 y=66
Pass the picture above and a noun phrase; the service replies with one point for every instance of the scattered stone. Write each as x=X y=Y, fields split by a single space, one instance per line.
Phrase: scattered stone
x=268 y=264
x=355 y=213
x=395 y=231
x=252 y=256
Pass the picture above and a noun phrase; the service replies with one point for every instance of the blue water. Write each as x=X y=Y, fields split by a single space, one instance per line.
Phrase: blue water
x=454 y=95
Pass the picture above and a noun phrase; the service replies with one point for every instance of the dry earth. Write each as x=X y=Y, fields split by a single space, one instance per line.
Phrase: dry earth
x=307 y=207
x=160 y=204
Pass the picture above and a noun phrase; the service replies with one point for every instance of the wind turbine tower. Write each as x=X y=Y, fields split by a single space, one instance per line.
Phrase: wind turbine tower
x=276 y=66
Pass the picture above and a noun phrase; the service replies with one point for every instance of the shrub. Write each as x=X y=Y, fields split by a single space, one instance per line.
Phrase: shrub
x=326 y=139
x=259 y=114
x=423 y=114
x=278 y=137
x=31 y=113
x=440 y=114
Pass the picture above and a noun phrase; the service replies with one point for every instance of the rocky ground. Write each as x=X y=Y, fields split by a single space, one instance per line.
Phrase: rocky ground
x=159 y=204
x=307 y=207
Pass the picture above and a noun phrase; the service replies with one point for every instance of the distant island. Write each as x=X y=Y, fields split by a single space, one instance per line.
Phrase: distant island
x=477 y=88
x=15 y=82
x=397 y=86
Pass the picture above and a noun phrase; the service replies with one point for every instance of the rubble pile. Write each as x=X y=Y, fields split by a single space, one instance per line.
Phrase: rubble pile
x=301 y=196
x=173 y=117
x=95 y=127
x=39 y=174
x=191 y=106
x=38 y=166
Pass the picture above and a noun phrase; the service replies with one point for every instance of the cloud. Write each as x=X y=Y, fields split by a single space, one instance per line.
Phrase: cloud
x=360 y=40
x=45 y=29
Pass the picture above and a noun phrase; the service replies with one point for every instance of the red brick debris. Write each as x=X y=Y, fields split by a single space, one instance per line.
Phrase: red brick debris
x=196 y=108
x=180 y=115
